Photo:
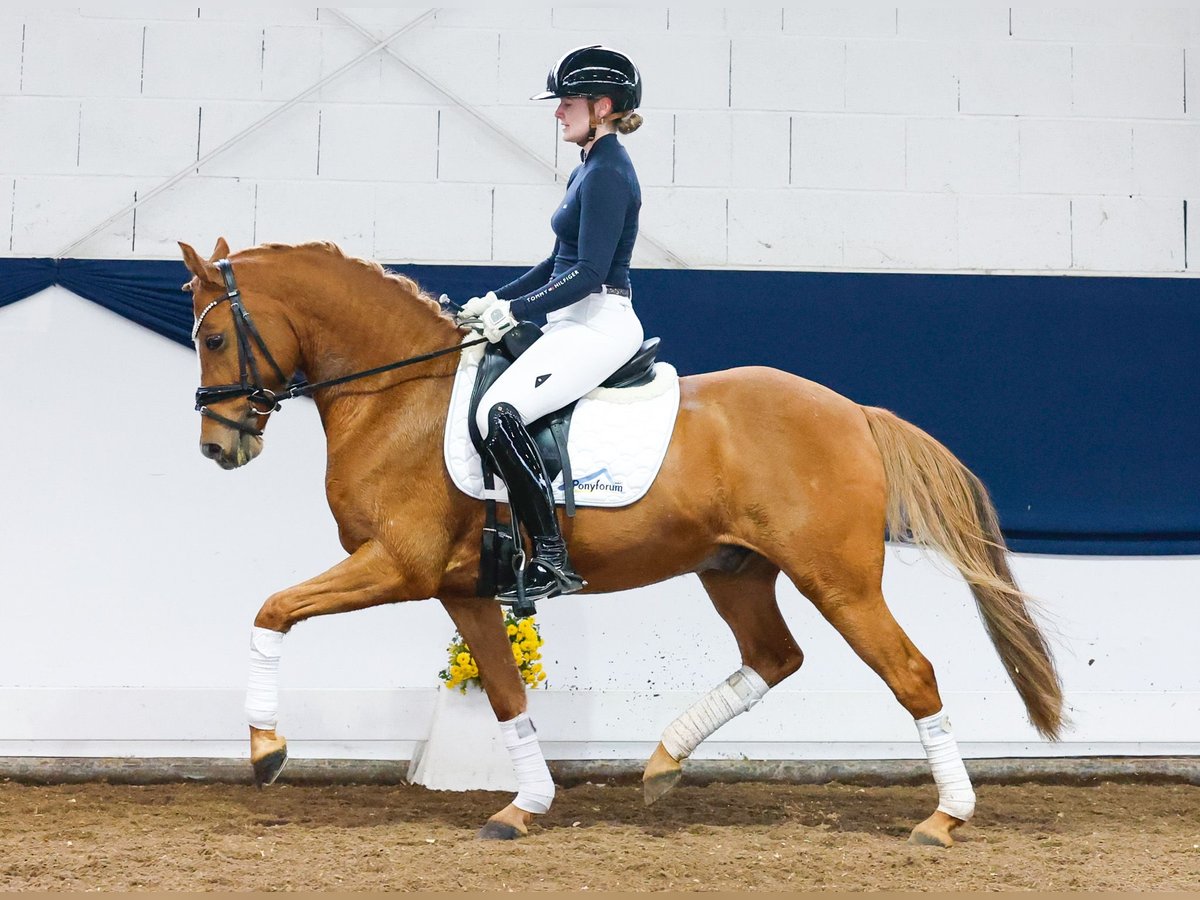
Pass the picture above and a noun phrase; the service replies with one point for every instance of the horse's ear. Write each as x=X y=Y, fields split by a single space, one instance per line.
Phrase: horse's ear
x=200 y=267
x=221 y=250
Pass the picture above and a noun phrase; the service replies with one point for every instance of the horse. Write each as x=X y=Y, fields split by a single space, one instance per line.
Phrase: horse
x=801 y=481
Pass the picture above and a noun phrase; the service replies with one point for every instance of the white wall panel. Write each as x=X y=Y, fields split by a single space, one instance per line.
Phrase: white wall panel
x=786 y=228
x=1193 y=233
x=12 y=40
x=338 y=211
x=48 y=212
x=471 y=152
x=1084 y=157
x=703 y=149
x=852 y=152
x=498 y=18
x=256 y=15
x=1018 y=79
x=761 y=148
x=651 y=148
x=997 y=232
x=1166 y=158
x=591 y=19
x=682 y=71
x=285 y=148
x=787 y=73
x=162 y=135
x=693 y=217
x=962 y=155
x=291 y=60
x=521 y=227
x=700 y=20
x=1114 y=23
x=463 y=60
x=203 y=60
x=524 y=59
x=139 y=10
x=966 y=20
x=197 y=211
x=378 y=143
x=901 y=230
x=40 y=135
x=363 y=83
x=847 y=20
x=87 y=59
x=433 y=222
x=1122 y=233
x=1128 y=81
x=8 y=188
x=902 y=76
x=1192 y=63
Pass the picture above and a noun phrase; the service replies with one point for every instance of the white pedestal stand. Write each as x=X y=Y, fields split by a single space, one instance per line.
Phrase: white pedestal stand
x=465 y=750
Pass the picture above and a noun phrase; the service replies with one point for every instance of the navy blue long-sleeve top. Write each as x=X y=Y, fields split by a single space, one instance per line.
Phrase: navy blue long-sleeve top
x=595 y=227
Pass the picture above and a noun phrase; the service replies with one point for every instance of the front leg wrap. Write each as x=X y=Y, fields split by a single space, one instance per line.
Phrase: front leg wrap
x=535 y=787
x=262 y=687
x=732 y=697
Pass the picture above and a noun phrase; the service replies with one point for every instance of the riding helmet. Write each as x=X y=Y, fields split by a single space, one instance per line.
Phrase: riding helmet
x=595 y=71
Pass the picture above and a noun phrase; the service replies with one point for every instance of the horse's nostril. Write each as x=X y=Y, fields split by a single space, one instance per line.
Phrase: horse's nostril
x=212 y=451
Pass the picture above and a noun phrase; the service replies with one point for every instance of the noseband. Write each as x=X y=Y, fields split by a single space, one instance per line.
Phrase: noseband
x=250 y=384
x=249 y=380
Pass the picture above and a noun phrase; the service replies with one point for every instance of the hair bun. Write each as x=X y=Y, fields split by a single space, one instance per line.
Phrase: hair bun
x=629 y=123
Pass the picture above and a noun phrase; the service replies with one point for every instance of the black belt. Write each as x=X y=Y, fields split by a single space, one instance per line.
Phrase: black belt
x=617 y=291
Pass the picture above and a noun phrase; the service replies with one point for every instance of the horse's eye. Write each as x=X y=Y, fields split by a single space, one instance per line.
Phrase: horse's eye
x=214 y=341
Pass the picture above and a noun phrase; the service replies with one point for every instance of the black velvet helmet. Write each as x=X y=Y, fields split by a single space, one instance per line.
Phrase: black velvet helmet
x=595 y=71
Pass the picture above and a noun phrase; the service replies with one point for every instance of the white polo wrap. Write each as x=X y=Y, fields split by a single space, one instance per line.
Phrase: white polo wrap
x=535 y=787
x=956 y=797
x=262 y=687
x=732 y=697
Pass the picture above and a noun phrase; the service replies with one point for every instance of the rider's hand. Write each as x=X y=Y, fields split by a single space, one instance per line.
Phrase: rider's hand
x=474 y=307
x=497 y=319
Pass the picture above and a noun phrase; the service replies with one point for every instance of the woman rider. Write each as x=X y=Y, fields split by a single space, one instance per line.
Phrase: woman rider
x=583 y=290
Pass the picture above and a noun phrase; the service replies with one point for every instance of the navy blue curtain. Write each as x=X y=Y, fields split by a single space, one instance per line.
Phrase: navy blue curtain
x=1076 y=400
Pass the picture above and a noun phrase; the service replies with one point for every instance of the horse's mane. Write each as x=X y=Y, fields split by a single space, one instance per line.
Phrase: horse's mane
x=392 y=280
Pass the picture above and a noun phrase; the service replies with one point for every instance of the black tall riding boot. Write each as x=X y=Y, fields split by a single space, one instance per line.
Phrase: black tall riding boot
x=549 y=572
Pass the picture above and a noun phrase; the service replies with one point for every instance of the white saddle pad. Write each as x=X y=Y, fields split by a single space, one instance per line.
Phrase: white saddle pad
x=616 y=442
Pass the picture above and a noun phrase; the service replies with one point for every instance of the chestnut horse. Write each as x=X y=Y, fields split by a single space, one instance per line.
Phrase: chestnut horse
x=800 y=480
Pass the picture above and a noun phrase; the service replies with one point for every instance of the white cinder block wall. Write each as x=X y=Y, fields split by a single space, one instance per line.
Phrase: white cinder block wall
x=932 y=137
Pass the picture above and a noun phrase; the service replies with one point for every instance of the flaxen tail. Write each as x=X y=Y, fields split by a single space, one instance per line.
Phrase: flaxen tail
x=934 y=500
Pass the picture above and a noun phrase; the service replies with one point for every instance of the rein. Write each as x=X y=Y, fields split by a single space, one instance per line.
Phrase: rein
x=250 y=384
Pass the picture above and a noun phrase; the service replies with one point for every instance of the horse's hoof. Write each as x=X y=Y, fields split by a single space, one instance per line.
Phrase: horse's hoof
x=268 y=754
x=267 y=769
x=657 y=786
x=662 y=773
x=935 y=831
x=498 y=831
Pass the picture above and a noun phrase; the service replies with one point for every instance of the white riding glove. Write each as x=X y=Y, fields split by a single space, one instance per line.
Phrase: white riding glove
x=473 y=308
x=497 y=319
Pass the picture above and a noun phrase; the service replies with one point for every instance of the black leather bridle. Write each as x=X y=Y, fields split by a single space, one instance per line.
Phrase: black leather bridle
x=249 y=384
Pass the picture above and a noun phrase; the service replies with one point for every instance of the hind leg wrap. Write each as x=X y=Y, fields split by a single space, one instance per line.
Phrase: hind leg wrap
x=535 y=787
x=956 y=797
x=732 y=697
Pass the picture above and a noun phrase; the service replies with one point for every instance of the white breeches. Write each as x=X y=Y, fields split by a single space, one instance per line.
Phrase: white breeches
x=581 y=345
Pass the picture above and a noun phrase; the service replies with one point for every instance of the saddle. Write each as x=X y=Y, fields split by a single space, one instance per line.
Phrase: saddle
x=550 y=433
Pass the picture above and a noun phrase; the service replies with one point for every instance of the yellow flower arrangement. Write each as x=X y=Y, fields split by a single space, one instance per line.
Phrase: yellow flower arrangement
x=526 y=640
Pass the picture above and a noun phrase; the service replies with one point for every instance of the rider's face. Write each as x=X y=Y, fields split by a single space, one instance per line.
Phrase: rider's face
x=572 y=112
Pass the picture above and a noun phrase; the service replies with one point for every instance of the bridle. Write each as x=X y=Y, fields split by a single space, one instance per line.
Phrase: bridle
x=250 y=385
